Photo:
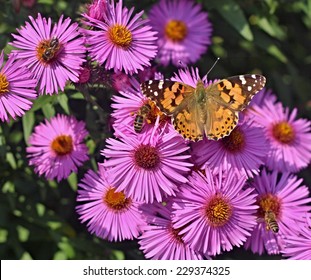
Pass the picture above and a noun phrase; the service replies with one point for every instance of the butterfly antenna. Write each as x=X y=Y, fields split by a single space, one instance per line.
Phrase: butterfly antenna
x=212 y=66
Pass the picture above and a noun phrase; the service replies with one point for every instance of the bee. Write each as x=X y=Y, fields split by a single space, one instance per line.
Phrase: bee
x=271 y=222
x=51 y=49
x=141 y=117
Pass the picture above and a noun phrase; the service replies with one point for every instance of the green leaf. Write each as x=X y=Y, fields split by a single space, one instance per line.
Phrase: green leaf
x=28 y=123
x=233 y=14
x=48 y=110
x=42 y=101
x=73 y=181
x=11 y=160
x=270 y=26
x=267 y=44
x=46 y=2
x=66 y=248
x=23 y=233
x=3 y=235
x=63 y=101
x=77 y=95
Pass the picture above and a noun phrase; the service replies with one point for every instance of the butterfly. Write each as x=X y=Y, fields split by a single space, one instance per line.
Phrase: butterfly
x=211 y=110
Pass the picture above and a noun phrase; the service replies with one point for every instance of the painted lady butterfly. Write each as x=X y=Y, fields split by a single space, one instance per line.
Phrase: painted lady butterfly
x=212 y=110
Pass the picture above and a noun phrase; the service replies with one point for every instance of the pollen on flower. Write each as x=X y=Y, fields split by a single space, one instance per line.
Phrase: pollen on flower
x=218 y=211
x=176 y=30
x=116 y=200
x=4 y=84
x=146 y=157
x=268 y=202
x=120 y=36
x=62 y=145
x=283 y=132
x=234 y=142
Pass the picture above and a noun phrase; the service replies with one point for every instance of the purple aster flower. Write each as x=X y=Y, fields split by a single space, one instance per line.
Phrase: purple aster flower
x=289 y=138
x=239 y=151
x=122 y=42
x=53 y=55
x=298 y=247
x=259 y=100
x=190 y=76
x=180 y=25
x=147 y=166
x=16 y=87
x=286 y=200
x=57 y=147
x=159 y=240
x=213 y=212
x=98 y=9
x=109 y=214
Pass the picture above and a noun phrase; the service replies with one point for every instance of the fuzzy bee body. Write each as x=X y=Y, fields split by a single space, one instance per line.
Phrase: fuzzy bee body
x=141 y=117
x=51 y=49
x=271 y=223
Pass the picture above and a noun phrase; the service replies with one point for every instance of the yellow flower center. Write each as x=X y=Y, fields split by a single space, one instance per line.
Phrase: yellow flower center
x=234 y=142
x=4 y=84
x=283 y=132
x=268 y=202
x=120 y=36
x=218 y=211
x=176 y=30
x=116 y=200
x=62 y=145
x=147 y=157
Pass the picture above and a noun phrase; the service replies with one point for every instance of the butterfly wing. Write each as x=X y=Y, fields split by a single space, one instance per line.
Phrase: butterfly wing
x=177 y=100
x=236 y=92
x=225 y=99
x=169 y=96
x=220 y=121
x=187 y=122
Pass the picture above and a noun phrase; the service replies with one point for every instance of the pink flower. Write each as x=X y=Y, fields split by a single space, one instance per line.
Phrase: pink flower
x=289 y=137
x=213 y=211
x=121 y=42
x=16 y=88
x=286 y=199
x=57 y=147
x=159 y=240
x=183 y=28
x=53 y=55
x=109 y=214
x=148 y=166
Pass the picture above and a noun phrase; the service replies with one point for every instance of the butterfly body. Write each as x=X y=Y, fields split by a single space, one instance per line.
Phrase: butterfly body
x=211 y=110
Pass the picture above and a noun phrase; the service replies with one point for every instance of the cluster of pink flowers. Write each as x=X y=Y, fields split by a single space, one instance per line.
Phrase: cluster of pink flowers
x=179 y=199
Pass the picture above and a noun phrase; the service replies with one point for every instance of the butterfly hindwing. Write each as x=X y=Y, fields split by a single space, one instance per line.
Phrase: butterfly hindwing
x=168 y=95
x=222 y=120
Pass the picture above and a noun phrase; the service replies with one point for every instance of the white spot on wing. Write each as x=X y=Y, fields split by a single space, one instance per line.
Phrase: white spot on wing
x=249 y=88
x=150 y=82
x=254 y=76
x=161 y=84
x=242 y=79
x=155 y=93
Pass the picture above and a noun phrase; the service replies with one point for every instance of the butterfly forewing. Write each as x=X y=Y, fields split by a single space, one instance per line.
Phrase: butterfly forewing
x=236 y=92
x=168 y=95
